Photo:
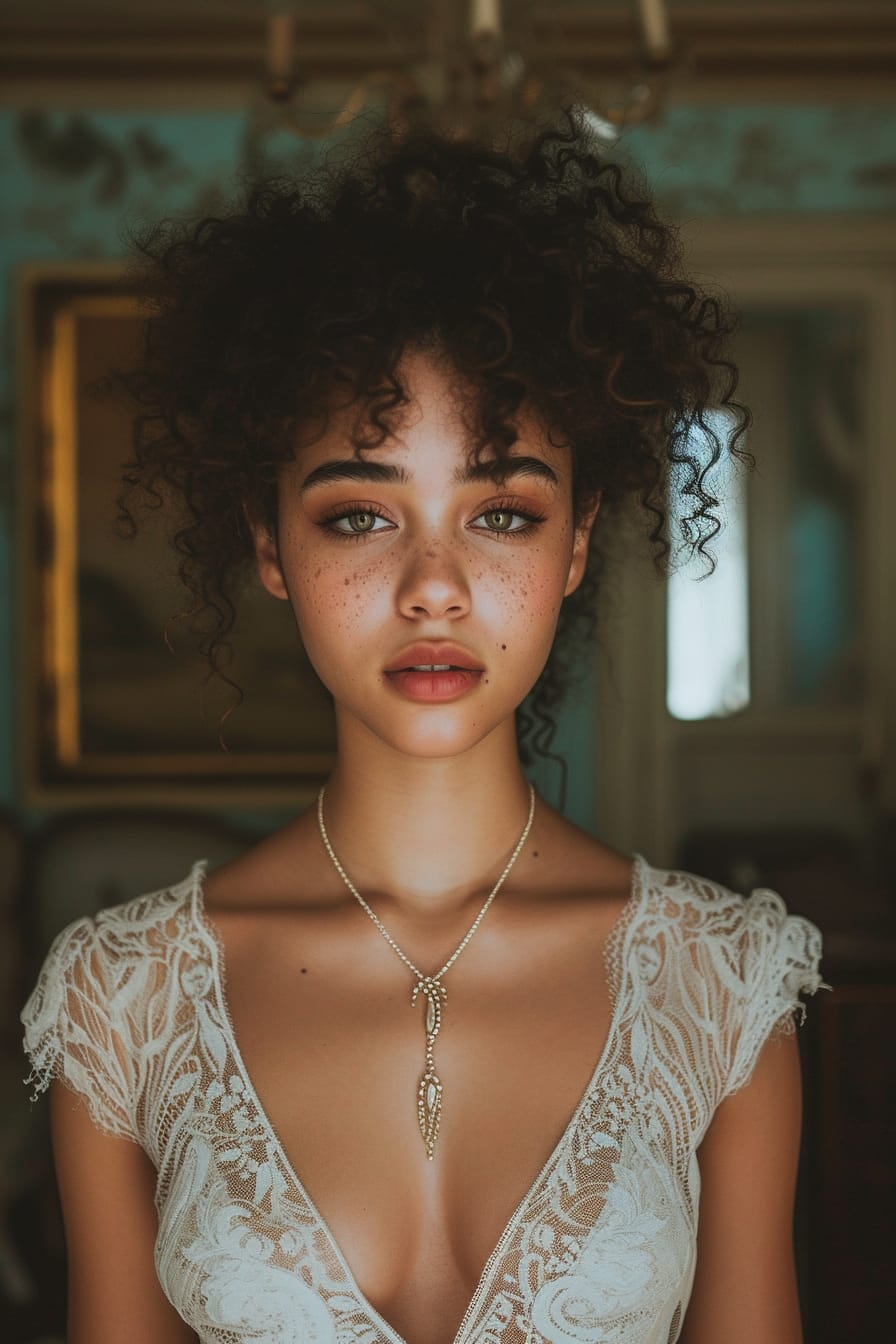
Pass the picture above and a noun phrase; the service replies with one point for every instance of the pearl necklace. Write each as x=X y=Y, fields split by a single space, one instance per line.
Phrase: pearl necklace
x=429 y=1093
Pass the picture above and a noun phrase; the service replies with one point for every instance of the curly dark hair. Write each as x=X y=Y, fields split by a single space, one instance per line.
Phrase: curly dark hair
x=534 y=273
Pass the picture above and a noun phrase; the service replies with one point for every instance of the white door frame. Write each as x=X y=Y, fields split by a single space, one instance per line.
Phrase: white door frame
x=757 y=260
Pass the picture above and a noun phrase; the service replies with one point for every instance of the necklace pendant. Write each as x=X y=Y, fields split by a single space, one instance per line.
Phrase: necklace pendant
x=429 y=1108
x=433 y=992
x=429 y=1093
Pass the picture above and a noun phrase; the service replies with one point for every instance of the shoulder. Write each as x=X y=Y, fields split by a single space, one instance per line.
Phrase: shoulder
x=286 y=869
x=741 y=934
x=106 y=995
x=98 y=947
x=144 y=920
x=88 y=977
x=563 y=856
x=729 y=968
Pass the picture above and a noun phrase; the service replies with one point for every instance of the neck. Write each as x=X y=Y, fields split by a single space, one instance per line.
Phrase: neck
x=428 y=835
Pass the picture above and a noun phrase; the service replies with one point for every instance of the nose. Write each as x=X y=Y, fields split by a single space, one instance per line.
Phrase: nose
x=433 y=584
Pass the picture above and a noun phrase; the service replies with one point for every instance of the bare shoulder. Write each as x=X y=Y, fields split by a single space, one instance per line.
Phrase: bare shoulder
x=285 y=870
x=265 y=894
x=566 y=860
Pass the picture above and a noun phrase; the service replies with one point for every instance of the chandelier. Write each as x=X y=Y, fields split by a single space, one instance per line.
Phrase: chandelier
x=473 y=72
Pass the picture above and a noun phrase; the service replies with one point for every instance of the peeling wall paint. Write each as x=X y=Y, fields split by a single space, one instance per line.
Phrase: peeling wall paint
x=78 y=186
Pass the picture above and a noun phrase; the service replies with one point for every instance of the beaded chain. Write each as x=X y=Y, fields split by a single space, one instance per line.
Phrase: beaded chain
x=429 y=1092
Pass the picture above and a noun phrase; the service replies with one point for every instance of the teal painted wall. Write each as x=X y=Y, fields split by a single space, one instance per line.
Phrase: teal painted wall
x=75 y=185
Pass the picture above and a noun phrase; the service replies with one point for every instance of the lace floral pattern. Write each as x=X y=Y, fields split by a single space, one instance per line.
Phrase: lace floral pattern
x=129 y=1012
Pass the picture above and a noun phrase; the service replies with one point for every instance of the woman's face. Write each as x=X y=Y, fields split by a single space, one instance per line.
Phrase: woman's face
x=408 y=546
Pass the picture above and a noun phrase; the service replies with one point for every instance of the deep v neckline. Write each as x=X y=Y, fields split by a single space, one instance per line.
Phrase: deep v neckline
x=618 y=932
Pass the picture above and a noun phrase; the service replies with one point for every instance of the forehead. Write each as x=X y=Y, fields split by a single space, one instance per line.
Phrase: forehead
x=438 y=419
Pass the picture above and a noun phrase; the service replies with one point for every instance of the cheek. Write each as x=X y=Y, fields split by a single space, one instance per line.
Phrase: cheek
x=332 y=601
x=527 y=600
x=535 y=582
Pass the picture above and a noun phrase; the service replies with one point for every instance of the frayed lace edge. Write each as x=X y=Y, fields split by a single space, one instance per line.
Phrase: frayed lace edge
x=786 y=1024
x=41 y=1076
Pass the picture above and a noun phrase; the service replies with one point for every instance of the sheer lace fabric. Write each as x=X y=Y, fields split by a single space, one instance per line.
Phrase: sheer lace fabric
x=129 y=1011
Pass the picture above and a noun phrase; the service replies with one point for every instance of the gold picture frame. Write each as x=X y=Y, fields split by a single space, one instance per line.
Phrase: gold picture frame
x=111 y=713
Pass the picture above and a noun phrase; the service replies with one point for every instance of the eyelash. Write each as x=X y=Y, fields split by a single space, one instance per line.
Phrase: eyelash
x=504 y=506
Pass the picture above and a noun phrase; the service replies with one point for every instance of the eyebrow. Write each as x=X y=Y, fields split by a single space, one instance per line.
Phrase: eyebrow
x=385 y=473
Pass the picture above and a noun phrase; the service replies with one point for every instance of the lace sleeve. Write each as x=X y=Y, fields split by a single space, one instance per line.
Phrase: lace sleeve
x=775 y=958
x=70 y=1032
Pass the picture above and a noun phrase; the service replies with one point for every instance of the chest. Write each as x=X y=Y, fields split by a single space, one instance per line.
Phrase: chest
x=334 y=1051
x=544 y=1216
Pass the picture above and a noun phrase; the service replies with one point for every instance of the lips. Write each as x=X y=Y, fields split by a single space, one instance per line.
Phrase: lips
x=434 y=655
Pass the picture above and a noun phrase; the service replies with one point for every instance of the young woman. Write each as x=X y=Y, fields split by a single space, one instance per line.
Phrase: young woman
x=471 y=1074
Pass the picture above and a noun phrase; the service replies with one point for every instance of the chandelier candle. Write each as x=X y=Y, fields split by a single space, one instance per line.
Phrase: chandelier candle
x=429 y=1092
x=485 y=17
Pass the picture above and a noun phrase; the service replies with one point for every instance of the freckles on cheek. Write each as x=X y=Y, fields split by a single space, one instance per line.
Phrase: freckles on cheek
x=342 y=594
x=533 y=592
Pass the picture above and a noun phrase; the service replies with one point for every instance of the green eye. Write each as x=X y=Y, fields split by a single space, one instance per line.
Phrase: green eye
x=361 y=522
x=501 y=519
x=353 y=524
x=509 y=522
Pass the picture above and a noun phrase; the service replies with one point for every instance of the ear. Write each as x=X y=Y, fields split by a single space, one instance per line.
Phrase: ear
x=580 y=548
x=267 y=558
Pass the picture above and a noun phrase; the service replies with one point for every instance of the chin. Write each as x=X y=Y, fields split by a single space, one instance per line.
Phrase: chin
x=439 y=744
x=434 y=736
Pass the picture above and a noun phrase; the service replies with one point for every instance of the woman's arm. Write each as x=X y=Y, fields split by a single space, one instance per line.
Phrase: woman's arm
x=106 y=1186
x=745 y=1288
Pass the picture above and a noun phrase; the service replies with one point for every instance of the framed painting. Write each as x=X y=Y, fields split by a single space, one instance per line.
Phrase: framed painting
x=112 y=713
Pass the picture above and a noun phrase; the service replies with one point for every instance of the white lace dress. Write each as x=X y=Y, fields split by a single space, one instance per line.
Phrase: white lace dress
x=129 y=1011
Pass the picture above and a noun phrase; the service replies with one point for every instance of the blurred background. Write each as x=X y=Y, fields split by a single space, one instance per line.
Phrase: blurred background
x=743 y=727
